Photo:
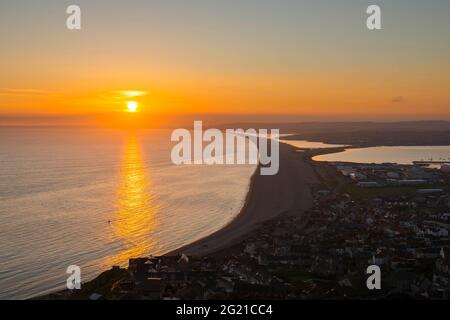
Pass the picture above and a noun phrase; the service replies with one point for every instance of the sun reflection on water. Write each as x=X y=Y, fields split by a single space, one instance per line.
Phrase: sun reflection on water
x=136 y=211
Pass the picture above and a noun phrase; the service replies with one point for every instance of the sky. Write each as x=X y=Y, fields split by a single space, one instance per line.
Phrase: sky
x=293 y=58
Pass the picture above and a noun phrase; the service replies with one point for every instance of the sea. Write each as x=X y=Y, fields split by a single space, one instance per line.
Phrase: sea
x=95 y=198
x=400 y=155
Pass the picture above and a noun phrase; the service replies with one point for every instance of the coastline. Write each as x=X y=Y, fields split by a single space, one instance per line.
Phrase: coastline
x=299 y=174
x=288 y=192
x=268 y=197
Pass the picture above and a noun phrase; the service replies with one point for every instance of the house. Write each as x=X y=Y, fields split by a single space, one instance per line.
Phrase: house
x=357 y=176
x=345 y=282
x=393 y=175
x=225 y=284
x=403 y=280
x=437 y=232
x=380 y=258
x=367 y=184
x=95 y=296
x=408 y=182
x=429 y=253
x=150 y=288
x=429 y=191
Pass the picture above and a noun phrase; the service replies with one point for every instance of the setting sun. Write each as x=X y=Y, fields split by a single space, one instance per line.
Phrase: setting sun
x=132 y=106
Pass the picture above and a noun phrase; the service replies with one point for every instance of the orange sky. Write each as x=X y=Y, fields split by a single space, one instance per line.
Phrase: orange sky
x=219 y=60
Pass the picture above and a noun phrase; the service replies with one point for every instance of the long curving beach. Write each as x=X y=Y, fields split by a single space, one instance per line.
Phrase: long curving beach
x=287 y=192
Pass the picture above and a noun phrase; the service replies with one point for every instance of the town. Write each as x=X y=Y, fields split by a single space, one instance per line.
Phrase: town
x=388 y=215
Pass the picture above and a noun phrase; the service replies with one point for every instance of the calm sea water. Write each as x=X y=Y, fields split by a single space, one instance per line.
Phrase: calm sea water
x=95 y=198
x=401 y=155
x=309 y=144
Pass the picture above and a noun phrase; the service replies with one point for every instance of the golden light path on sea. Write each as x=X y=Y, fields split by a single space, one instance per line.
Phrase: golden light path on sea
x=136 y=212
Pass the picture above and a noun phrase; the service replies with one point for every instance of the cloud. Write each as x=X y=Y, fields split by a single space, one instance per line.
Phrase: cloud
x=22 y=92
x=132 y=93
x=398 y=99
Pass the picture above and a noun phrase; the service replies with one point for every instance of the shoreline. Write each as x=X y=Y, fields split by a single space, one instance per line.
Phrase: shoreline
x=244 y=206
x=268 y=197
x=288 y=192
